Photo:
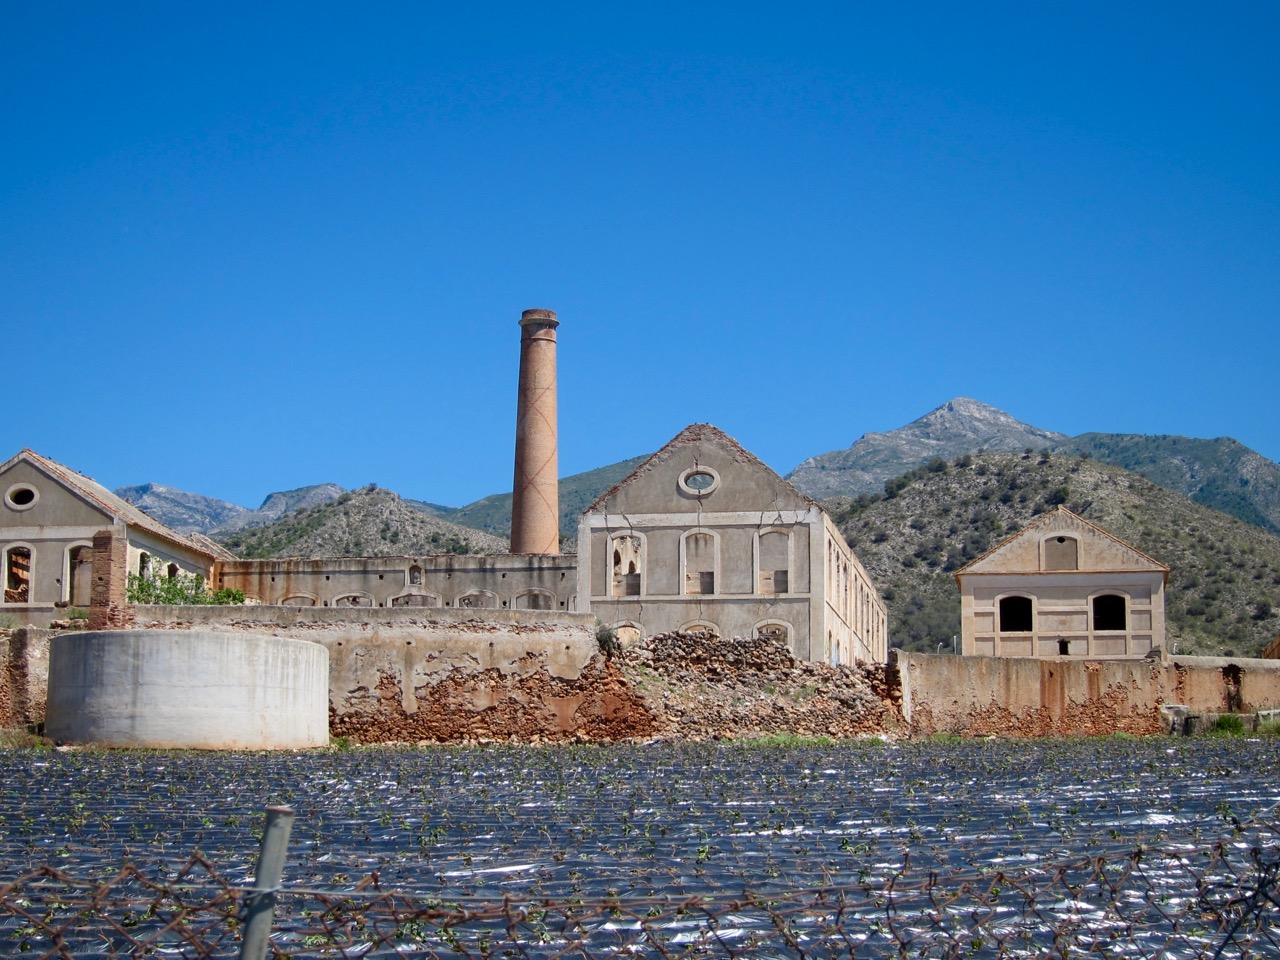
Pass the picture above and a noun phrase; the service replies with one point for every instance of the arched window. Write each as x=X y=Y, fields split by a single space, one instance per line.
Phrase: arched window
x=627 y=632
x=415 y=600
x=79 y=574
x=171 y=571
x=774 y=553
x=1015 y=615
x=17 y=575
x=298 y=600
x=415 y=575
x=626 y=565
x=1061 y=553
x=773 y=630
x=700 y=626
x=1109 y=612
x=699 y=562
x=353 y=600
x=534 y=600
x=144 y=565
x=479 y=599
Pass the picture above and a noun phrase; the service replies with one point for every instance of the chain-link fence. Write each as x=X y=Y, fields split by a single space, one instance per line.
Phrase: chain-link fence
x=1218 y=899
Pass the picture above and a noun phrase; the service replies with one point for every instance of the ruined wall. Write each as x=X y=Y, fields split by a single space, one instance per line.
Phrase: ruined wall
x=24 y=677
x=977 y=696
x=403 y=674
x=497 y=581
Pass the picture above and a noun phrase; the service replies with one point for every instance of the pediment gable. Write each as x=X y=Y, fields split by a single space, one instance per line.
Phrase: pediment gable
x=731 y=477
x=1060 y=542
x=97 y=497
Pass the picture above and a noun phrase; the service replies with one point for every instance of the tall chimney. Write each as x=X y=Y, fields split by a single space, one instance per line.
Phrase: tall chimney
x=535 y=506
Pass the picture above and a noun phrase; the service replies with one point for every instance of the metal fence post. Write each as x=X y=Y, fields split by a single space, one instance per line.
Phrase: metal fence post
x=261 y=902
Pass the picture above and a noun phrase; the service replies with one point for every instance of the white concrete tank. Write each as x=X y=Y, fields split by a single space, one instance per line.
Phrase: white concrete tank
x=196 y=689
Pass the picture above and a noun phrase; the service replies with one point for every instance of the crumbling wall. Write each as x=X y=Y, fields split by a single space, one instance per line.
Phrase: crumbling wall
x=976 y=696
x=24 y=677
x=411 y=675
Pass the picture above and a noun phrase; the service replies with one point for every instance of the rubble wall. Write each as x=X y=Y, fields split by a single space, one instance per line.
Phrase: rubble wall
x=979 y=696
x=442 y=674
x=24 y=677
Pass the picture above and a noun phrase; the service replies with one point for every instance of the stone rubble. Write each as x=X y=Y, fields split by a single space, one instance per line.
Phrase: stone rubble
x=701 y=687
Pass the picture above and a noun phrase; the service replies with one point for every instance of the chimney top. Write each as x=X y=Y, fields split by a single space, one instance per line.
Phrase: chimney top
x=538 y=316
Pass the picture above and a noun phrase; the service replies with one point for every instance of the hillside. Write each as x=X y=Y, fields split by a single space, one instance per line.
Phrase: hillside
x=493 y=513
x=196 y=513
x=361 y=523
x=957 y=427
x=183 y=511
x=1220 y=473
x=1224 y=589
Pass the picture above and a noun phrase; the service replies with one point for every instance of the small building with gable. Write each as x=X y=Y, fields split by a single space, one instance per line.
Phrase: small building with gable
x=1062 y=587
x=704 y=536
x=51 y=520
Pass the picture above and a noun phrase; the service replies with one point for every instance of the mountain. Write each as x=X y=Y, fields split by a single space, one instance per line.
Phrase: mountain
x=195 y=513
x=957 y=427
x=1221 y=473
x=493 y=513
x=184 y=512
x=1223 y=592
x=368 y=522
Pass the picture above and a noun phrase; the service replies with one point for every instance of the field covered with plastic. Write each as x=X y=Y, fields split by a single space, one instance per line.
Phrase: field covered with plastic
x=646 y=824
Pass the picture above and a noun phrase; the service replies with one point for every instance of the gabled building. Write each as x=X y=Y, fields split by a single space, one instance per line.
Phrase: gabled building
x=1062 y=587
x=703 y=536
x=49 y=518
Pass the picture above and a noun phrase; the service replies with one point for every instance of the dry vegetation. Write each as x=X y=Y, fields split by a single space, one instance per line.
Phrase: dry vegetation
x=1224 y=589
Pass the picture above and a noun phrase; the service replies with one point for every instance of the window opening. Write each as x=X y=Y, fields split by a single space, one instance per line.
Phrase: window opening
x=22 y=496
x=17 y=576
x=774 y=574
x=1109 y=612
x=699 y=564
x=80 y=571
x=1015 y=614
x=414 y=600
x=172 y=570
x=627 y=567
x=353 y=600
x=415 y=575
x=1064 y=648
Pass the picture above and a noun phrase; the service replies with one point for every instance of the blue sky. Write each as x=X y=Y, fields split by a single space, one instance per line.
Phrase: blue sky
x=247 y=247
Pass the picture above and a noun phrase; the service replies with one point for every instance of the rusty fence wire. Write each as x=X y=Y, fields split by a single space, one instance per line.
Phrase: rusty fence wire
x=1185 y=901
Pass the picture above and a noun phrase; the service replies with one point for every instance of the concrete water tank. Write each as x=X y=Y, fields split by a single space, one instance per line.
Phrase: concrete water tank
x=198 y=689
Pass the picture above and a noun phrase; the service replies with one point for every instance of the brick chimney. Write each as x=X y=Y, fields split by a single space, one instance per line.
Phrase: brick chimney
x=535 y=506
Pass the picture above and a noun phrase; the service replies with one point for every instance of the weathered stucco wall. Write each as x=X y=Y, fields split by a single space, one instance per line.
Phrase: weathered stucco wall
x=441 y=674
x=977 y=696
x=24 y=677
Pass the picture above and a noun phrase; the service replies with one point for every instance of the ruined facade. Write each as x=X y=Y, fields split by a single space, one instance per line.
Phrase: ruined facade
x=1062 y=587
x=57 y=526
x=703 y=536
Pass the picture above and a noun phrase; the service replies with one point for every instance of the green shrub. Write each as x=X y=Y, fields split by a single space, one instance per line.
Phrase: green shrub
x=182 y=589
x=1227 y=725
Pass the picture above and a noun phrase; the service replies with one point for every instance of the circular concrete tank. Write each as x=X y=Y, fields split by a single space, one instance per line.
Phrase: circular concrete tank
x=198 y=689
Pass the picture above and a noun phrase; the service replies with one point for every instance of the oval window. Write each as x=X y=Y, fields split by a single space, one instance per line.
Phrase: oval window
x=20 y=496
x=699 y=481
